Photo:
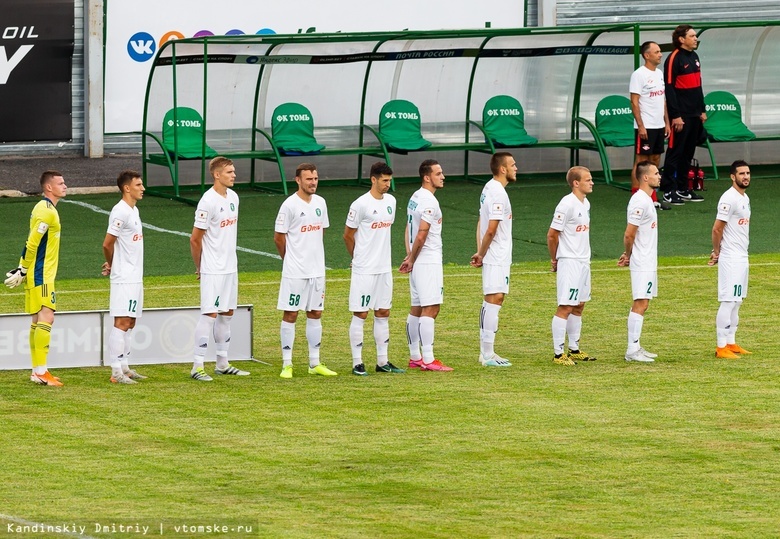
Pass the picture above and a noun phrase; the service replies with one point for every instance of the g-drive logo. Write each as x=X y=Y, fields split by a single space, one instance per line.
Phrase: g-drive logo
x=8 y=64
x=141 y=46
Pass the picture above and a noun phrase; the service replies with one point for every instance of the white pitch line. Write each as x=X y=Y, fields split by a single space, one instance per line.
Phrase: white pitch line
x=47 y=528
x=174 y=232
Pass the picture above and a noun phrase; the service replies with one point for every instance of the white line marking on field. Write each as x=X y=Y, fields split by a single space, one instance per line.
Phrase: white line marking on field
x=58 y=529
x=158 y=229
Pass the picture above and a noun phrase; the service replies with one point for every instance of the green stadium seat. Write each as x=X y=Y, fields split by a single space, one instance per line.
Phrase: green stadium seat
x=292 y=130
x=503 y=122
x=400 y=128
x=182 y=134
x=724 y=119
x=615 y=121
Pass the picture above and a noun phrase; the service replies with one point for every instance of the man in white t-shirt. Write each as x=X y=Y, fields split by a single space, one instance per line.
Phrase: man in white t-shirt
x=213 y=246
x=298 y=234
x=367 y=237
x=648 y=104
x=568 y=241
x=494 y=253
x=641 y=255
x=123 y=248
x=424 y=262
x=730 y=241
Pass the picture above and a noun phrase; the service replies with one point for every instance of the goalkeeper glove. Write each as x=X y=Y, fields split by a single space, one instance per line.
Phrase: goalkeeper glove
x=15 y=277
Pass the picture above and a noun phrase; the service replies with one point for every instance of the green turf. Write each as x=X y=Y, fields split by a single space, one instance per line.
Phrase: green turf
x=684 y=231
x=686 y=447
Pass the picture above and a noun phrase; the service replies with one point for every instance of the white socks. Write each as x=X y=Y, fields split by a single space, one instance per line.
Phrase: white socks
x=488 y=326
x=314 y=338
x=559 y=334
x=382 y=339
x=635 y=321
x=426 y=338
x=288 y=339
x=116 y=350
x=202 y=331
x=574 y=330
x=222 y=339
x=726 y=322
x=356 y=339
x=413 y=337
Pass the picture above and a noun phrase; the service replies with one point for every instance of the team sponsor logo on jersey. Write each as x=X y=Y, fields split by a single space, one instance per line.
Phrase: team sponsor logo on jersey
x=201 y=216
x=351 y=215
x=311 y=228
x=582 y=228
x=558 y=218
x=42 y=228
x=497 y=209
x=138 y=237
x=227 y=222
x=381 y=224
x=743 y=221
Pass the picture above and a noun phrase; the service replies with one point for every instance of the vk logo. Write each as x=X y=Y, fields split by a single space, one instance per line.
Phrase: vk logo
x=141 y=47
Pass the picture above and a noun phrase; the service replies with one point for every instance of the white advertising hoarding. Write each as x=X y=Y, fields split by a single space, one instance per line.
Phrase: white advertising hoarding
x=136 y=29
x=79 y=339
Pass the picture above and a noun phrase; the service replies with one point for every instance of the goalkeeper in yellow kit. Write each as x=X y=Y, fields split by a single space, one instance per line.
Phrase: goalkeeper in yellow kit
x=37 y=270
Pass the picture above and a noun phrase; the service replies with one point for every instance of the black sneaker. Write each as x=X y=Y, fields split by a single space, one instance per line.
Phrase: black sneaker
x=389 y=367
x=359 y=370
x=672 y=198
x=694 y=197
x=685 y=195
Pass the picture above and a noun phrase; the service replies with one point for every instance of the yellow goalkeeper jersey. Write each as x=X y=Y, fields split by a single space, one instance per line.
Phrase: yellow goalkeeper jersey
x=41 y=253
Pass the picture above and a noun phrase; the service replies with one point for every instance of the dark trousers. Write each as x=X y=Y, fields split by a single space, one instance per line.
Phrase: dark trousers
x=682 y=146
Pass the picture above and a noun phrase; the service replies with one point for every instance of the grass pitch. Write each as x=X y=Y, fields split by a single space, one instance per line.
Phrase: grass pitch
x=685 y=447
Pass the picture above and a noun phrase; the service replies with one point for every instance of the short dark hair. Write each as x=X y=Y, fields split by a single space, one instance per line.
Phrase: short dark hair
x=679 y=32
x=426 y=167
x=125 y=177
x=305 y=166
x=497 y=161
x=736 y=164
x=575 y=174
x=380 y=168
x=645 y=47
x=48 y=175
x=643 y=167
x=219 y=162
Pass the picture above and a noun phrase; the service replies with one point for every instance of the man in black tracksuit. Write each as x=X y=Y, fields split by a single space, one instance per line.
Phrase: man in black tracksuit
x=685 y=104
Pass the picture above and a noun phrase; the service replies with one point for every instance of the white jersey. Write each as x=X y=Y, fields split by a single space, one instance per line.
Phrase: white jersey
x=423 y=206
x=649 y=86
x=734 y=210
x=641 y=212
x=494 y=205
x=572 y=220
x=124 y=223
x=218 y=216
x=304 y=224
x=372 y=218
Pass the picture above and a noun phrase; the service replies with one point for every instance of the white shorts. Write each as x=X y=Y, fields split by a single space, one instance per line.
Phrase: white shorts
x=127 y=300
x=301 y=294
x=218 y=292
x=495 y=279
x=573 y=281
x=370 y=292
x=644 y=284
x=732 y=279
x=426 y=284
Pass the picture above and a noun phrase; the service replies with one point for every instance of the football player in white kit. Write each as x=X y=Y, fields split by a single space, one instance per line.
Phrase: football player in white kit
x=424 y=262
x=641 y=255
x=123 y=248
x=298 y=234
x=730 y=240
x=367 y=237
x=568 y=241
x=213 y=247
x=494 y=253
